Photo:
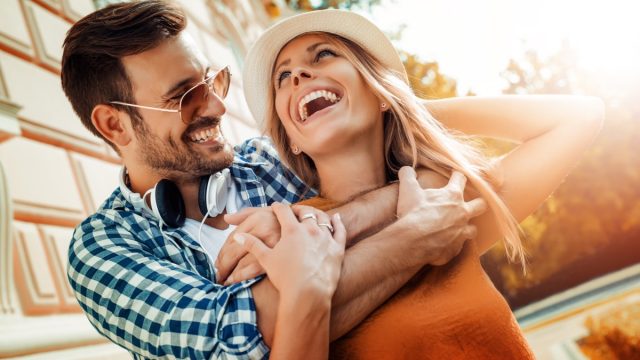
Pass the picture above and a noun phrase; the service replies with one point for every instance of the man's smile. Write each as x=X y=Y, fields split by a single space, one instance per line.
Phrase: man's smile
x=201 y=136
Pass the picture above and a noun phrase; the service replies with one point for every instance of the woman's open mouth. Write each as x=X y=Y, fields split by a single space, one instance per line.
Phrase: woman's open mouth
x=316 y=101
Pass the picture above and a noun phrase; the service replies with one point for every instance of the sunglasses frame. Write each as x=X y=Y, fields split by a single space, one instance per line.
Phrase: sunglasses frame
x=203 y=82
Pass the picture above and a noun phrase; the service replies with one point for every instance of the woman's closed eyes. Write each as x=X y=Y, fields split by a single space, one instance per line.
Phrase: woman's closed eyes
x=320 y=54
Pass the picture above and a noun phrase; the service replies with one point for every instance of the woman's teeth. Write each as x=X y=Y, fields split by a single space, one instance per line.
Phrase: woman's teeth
x=302 y=106
x=204 y=135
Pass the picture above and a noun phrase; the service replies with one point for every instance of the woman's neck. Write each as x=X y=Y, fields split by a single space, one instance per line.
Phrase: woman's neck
x=347 y=173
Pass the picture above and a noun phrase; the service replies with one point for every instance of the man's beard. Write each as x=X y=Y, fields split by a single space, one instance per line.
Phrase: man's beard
x=178 y=161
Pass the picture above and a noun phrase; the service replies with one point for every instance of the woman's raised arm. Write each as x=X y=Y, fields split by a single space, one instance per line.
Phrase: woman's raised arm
x=552 y=131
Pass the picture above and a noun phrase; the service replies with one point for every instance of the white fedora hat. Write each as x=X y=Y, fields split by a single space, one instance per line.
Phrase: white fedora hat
x=259 y=62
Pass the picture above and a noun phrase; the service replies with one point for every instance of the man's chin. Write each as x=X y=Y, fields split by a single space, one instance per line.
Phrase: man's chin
x=216 y=161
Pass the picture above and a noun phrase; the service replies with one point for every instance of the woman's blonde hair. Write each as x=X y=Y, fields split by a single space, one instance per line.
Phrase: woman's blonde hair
x=411 y=137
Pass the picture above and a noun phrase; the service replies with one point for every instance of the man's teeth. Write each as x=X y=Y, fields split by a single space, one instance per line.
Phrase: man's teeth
x=204 y=135
x=302 y=106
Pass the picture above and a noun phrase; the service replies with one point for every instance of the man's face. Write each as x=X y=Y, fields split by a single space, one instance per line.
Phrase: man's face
x=176 y=150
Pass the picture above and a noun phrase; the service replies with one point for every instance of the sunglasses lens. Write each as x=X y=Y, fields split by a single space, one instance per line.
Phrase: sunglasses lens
x=192 y=100
x=221 y=83
x=198 y=96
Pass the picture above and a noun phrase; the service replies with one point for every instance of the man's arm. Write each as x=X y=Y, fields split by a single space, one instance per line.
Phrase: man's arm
x=150 y=305
x=422 y=235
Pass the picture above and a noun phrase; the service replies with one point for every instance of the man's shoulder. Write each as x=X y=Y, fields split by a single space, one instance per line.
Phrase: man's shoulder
x=257 y=149
x=115 y=211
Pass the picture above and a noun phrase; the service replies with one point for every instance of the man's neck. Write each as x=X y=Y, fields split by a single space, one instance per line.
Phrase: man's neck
x=141 y=179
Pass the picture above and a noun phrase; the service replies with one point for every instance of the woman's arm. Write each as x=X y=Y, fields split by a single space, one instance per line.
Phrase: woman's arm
x=552 y=132
x=304 y=267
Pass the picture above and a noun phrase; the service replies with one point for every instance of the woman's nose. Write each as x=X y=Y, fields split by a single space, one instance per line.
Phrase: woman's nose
x=299 y=74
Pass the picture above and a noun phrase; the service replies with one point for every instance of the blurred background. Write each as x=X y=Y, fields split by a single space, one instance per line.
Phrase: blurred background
x=581 y=296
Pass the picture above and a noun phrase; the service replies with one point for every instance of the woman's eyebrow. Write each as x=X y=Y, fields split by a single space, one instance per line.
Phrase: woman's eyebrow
x=311 y=48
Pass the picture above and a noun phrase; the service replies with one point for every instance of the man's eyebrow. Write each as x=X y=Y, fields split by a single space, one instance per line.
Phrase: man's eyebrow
x=182 y=83
x=309 y=49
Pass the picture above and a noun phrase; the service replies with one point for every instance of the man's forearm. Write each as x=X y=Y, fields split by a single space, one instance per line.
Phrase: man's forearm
x=369 y=213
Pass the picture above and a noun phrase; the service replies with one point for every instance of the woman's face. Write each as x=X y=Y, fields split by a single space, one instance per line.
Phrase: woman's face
x=321 y=98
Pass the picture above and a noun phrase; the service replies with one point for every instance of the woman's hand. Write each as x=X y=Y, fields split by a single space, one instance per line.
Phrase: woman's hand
x=307 y=259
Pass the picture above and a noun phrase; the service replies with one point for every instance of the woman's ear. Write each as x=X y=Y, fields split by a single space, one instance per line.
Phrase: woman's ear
x=109 y=122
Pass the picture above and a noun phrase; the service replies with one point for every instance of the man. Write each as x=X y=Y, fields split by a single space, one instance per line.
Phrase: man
x=145 y=279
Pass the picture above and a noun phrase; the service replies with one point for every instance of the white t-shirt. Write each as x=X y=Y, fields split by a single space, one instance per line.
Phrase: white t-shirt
x=212 y=239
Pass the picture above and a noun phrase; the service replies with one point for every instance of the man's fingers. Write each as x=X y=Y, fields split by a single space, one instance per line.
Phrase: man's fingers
x=244 y=272
x=228 y=258
x=300 y=210
x=457 y=181
x=409 y=185
x=339 y=231
x=285 y=215
x=240 y=216
x=476 y=207
x=253 y=246
x=469 y=232
x=407 y=175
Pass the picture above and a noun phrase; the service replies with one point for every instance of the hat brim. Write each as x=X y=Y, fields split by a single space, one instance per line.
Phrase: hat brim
x=260 y=59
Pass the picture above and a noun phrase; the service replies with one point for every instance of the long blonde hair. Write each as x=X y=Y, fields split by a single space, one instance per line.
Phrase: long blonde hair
x=411 y=137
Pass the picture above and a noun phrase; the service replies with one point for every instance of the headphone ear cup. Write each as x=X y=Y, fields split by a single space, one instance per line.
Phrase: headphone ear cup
x=168 y=203
x=213 y=193
x=202 y=194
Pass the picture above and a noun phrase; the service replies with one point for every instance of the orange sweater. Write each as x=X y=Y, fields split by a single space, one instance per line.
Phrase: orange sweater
x=447 y=312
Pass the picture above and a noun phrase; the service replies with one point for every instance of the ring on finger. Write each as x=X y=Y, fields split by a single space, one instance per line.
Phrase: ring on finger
x=328 y=226
x=309 y=216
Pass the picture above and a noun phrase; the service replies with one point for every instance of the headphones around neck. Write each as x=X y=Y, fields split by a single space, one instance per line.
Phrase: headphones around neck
x=167 y=204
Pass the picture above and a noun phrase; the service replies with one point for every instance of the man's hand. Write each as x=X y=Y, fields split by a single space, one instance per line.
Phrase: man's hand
x=440 y=213
x=233 y=263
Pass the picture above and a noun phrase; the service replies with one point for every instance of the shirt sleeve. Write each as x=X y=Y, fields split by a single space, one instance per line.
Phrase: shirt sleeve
x=278 y=181
x=153 y=307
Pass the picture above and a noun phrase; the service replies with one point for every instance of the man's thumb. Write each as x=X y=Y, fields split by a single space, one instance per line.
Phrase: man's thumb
x=408 y=180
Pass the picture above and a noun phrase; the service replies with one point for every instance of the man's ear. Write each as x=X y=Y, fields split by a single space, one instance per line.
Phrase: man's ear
x=110 y=123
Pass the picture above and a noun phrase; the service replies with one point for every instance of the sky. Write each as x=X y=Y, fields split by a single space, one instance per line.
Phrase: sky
x=474 y=40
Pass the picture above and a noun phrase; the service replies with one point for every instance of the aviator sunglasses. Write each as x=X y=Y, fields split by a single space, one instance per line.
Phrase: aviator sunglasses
x=195 y=97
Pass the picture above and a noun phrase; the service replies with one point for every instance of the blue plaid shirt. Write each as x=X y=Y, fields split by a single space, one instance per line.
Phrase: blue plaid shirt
x=156 y=295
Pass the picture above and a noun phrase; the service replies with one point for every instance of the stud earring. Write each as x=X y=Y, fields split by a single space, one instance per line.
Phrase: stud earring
x=383 y=106
x=295 y=149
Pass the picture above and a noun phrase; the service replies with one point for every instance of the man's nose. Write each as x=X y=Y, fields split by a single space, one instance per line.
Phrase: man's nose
x=213 y=106
x=299 y=74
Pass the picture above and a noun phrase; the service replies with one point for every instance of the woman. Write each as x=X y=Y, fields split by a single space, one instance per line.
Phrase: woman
x=330 y=89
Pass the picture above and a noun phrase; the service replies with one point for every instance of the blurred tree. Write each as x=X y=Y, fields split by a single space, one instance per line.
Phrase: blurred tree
x=426 y=79
x=591 y=224
x=308 y=5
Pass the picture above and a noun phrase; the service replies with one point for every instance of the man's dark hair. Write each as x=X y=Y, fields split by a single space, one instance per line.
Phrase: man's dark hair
x=92 y=70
